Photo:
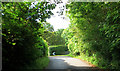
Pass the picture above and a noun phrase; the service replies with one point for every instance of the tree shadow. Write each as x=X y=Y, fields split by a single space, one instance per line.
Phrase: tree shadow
x=59 y=63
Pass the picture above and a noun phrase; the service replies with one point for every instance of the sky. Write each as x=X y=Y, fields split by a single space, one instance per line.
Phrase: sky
x=57 y=21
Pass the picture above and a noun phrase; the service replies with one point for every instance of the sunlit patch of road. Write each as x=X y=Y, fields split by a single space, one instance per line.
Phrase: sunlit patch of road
x=66 y=62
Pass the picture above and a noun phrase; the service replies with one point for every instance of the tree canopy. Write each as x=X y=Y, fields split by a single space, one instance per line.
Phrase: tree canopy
x=22 y=30
x=94 y=32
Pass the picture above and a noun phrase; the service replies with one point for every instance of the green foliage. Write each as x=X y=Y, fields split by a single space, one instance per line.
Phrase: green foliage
x=58 y=39
x=58 y=49
x=53 y=37
x=39 y=63
x=67 y=34
x=94 y=32
x=22 y=43
x=48 y=27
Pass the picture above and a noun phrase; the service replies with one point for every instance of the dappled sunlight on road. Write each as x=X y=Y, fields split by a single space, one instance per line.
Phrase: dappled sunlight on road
x=66 y=62
x=74 y=62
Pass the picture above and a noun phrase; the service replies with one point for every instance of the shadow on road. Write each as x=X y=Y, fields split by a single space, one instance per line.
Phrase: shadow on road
x=66 y=63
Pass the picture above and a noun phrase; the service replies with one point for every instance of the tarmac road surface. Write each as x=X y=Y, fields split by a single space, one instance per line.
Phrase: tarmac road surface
x=66 y=62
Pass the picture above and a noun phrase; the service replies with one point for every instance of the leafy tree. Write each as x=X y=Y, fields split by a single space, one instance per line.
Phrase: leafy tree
x=48 y=27
x=58 y=39
x=22 y=43
x=94 y=32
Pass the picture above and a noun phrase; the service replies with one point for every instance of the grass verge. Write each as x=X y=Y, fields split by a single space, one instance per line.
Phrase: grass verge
x=40 y=63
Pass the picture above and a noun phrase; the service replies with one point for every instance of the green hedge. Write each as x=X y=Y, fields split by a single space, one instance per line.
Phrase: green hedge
x=22 y=44
x=58 y=49
x=94 y=33
x=40 y=63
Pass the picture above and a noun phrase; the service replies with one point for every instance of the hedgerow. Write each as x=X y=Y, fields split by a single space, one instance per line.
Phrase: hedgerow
x=22 y=43
x=94 y=32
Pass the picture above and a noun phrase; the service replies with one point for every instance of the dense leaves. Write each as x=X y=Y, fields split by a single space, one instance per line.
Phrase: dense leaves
x=22 y=28
x=53 y=37
x=58 y=49
x=94 y=32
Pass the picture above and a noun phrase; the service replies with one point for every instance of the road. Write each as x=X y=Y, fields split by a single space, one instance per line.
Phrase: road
x=66 y=62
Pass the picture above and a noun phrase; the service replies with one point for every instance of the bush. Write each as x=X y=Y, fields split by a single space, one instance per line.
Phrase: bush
x=58 y=49
x=94 y=33
x=40 y=63
x=22 y=44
